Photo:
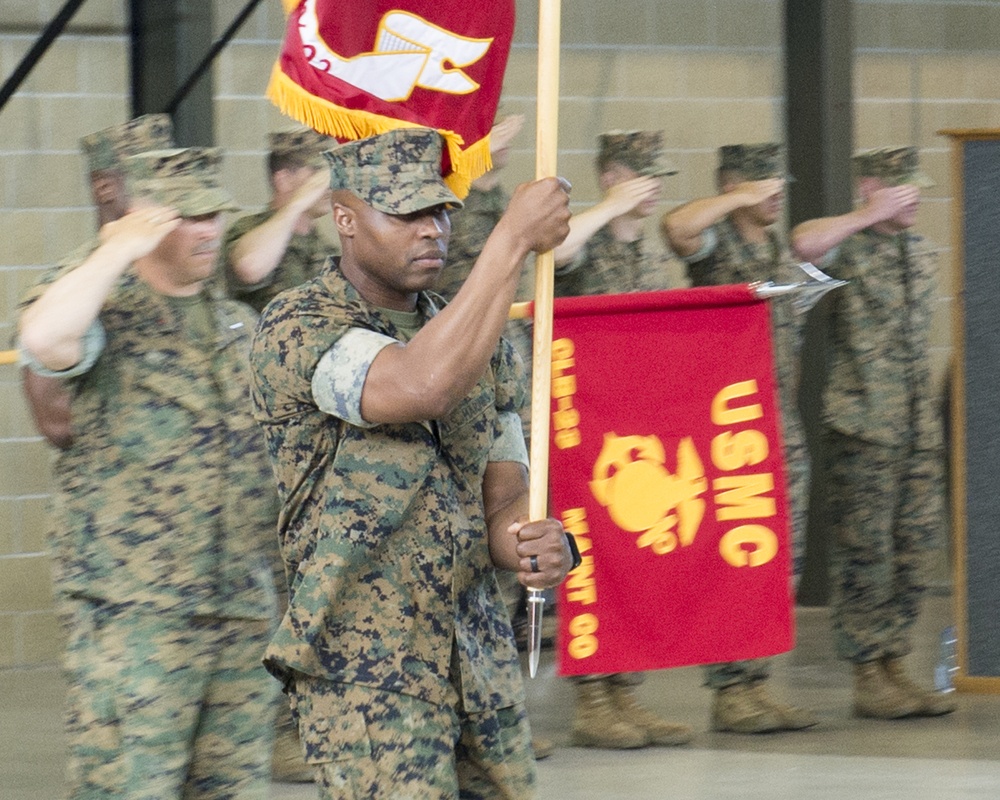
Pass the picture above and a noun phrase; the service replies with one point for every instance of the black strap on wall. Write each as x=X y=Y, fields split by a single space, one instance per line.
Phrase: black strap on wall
x=210 y=56
x=38 y=49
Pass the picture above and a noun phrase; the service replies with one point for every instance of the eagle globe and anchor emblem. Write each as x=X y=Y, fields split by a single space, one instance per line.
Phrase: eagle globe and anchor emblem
x=642 y=496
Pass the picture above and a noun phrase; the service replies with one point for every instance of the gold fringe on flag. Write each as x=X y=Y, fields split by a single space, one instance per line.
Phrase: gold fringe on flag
x=345 y=123
x=290 y=5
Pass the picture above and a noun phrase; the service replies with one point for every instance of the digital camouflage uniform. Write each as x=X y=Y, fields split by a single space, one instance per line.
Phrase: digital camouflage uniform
x=162 y=529
x=396 y=630
x=106 y=149
x=883 y=430
x=604 y=264
x=104 y=152
x=303 y=259
x=725 y=258
x=608 y=266
x=470 y=228
x=306 y=252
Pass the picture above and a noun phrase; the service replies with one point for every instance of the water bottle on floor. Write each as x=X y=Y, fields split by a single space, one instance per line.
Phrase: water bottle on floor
x=947 y=666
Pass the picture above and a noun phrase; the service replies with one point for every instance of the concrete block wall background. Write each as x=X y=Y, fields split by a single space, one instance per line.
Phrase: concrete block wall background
x=81 y=85
x=707 y=73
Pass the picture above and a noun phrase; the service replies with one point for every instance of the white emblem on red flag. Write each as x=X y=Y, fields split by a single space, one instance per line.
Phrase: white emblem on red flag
x=408 y=52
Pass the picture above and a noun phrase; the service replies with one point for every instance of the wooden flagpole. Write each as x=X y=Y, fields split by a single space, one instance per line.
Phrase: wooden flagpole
x=546 y=143
x=546 y=139
x=546 y=147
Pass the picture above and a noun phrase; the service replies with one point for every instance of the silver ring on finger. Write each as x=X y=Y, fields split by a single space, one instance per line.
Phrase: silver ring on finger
x=534 y=564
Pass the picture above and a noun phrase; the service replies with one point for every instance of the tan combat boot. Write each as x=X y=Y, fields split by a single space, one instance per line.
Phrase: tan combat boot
x=597 y=723
x=658 y=730
x=288 y=764
x=877 y=697
x=931 y=704
x=542 y=747
x=792 y=718
x=738 y=709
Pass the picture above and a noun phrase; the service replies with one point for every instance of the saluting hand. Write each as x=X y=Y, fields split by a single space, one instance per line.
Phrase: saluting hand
x=623 y=197
x=504 y=130
x=884 y=204
x=758 y=191
x=140 y=230
x=311 y=190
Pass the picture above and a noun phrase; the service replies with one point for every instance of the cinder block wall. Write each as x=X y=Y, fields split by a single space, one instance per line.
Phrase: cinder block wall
x=707 y=73
x=81 y=85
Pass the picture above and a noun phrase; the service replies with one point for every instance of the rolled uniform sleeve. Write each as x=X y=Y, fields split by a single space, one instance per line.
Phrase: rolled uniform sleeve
x=709 y=241
x=339 y=380
x=572 y=266
x=828 y=263
x=92 y=345
x=509 y=445
x=340 y=375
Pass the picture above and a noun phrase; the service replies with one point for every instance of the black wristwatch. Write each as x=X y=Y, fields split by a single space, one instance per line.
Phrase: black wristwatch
x=574 y=550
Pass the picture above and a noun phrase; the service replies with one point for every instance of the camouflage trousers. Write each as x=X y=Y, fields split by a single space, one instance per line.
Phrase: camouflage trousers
x=164 y=707
x=367 y=743
x=886 y=511
x=797 y=469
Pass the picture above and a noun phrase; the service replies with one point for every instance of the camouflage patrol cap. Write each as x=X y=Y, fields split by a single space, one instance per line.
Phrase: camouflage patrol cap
x=397 y=172
x=300 y=144
x=641 y=151
x=106 y=149
x=894 y=165
x=184 y=178
x=755 y=162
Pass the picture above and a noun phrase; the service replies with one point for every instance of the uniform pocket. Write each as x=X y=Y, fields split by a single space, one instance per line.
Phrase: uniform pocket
x=330 y=727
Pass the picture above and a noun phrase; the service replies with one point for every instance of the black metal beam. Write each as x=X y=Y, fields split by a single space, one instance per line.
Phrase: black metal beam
x=819 y=55
x=169 y=40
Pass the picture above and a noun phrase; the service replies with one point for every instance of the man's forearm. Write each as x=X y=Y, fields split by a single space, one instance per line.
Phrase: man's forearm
x=581 y=227
x=683 y=227
x=813 y=239
x=50 y=402
x=425 y=378
x=503 y=544
x=52 y=328
x=257 y=253
x=428 y=376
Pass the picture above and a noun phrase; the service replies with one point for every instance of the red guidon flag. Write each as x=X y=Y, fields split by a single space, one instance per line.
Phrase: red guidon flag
x=357 y=68
x=666 y=463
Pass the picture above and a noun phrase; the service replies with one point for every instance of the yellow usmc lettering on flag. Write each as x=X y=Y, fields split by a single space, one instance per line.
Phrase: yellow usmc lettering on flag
x=666 y=509
x=643 y=496
x=742 y=496
x=565 y=418
x=409 y=52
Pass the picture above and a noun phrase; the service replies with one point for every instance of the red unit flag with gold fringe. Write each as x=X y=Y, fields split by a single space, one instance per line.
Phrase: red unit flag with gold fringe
x=357 y=68
x=667 y=464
